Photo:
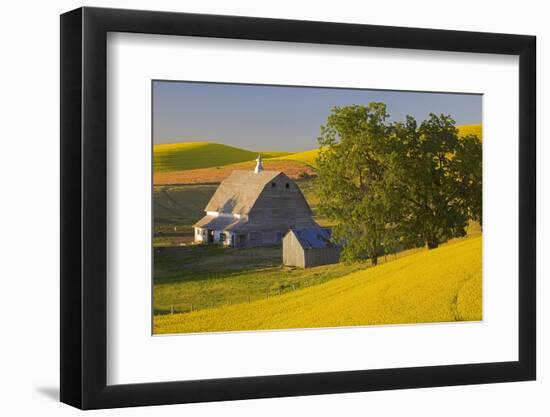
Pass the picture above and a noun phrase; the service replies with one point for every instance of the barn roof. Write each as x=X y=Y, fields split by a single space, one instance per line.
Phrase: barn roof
x=219 y=223
x=314 y=238
x=238 y=192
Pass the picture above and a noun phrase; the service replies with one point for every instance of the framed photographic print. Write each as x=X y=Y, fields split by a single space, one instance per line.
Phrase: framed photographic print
x=258 y=207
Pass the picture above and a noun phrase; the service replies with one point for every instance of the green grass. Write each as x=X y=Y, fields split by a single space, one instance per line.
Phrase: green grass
x=437 y=285
x=180 y=205
x=207 y=276
x=194 y=155
x=175 y=210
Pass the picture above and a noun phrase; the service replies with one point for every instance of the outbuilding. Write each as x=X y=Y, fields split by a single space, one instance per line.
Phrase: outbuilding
x=310 y=247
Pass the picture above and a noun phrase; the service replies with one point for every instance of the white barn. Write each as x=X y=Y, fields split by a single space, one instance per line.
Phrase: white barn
x=253 y=208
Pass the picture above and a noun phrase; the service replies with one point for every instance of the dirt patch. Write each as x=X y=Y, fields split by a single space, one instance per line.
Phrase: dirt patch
x=216 y=175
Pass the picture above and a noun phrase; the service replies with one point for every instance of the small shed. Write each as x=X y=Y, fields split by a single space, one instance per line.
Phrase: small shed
x=310 y=247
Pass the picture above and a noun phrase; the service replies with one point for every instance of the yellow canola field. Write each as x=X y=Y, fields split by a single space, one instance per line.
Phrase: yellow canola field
x=476 y=129
x=439 y=285
x=307 y=157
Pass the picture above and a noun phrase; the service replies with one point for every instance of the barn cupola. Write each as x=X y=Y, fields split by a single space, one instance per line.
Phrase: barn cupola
x=259 y=166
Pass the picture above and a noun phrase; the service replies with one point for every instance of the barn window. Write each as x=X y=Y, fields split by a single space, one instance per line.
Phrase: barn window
x=198 y=232
x=222 y=237
x=287 y=185
x=273 y=185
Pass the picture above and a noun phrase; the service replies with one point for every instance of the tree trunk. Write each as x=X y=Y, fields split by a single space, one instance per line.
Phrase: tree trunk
x=433 y=243
x=374 y=260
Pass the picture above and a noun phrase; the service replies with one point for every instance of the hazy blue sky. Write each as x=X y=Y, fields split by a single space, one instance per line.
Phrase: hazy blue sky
x=258 y=117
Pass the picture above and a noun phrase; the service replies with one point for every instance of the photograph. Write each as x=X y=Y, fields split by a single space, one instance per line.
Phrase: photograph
x=296 y=207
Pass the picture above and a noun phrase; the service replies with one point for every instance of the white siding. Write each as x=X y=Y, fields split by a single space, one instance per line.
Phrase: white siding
x=218 y=240
x=293 y=253
x=200 y=237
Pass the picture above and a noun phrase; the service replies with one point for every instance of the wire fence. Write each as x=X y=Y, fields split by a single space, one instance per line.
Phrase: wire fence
x=178 y=307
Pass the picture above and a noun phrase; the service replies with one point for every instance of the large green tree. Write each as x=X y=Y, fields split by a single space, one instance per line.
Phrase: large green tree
x=389 y=185
x=351 y=175
x=439 y=180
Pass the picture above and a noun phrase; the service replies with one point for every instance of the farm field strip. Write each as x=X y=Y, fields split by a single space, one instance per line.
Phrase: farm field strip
x=438 y=285
x=217 y=174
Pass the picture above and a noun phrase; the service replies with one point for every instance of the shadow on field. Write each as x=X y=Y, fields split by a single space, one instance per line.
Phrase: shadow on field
x=201 y=262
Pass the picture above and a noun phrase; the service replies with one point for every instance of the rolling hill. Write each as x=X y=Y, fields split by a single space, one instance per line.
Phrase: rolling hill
x=186 y=156
x=194 y=155
x=307 y=157
x=437 y=285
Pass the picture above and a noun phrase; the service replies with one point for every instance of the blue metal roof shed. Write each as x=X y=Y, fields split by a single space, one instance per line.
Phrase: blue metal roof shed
x=310 y=247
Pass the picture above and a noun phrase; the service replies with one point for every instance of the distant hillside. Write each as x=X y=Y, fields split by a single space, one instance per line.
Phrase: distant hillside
x=194 y=155
x=307 y=157
x=214 y=175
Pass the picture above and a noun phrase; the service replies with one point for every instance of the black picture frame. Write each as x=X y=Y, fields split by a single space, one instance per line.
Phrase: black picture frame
x=84 y=207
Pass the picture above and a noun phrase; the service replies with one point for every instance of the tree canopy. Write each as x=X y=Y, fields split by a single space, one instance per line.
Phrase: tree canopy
x=390 y=185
